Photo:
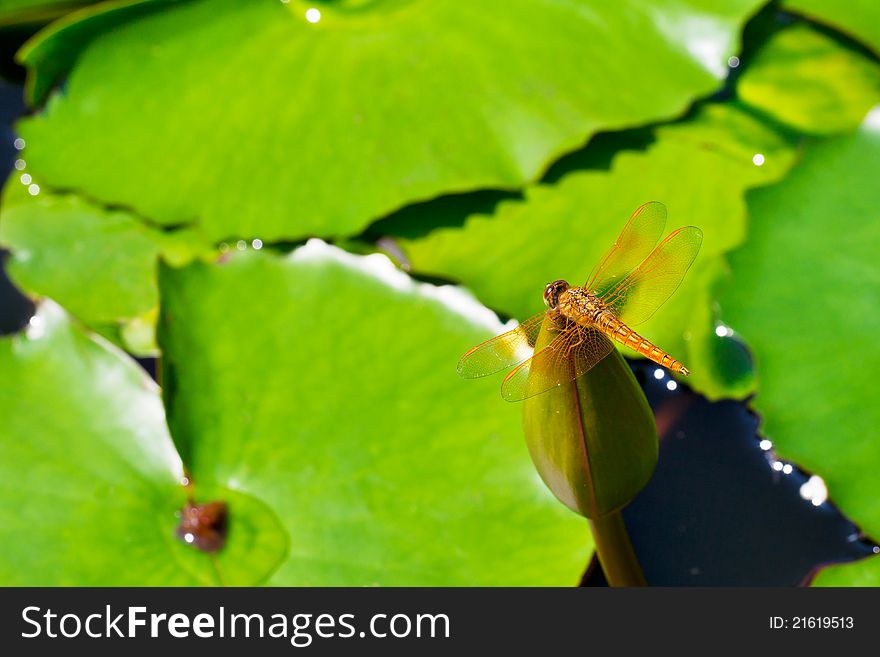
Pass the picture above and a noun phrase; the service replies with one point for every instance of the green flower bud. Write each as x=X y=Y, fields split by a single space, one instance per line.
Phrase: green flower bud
x=593 y=440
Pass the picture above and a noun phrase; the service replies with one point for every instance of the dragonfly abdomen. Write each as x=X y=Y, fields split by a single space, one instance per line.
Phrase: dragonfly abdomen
x=620 y=332
x=585 y=308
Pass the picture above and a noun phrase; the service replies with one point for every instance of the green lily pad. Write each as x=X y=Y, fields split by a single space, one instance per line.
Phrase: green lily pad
x=91 y=483
x=865 y=572
x=230 y=111
x=699 y=169
x=99 y=264
x=52 y=52
x=811 y=82
x=324 y=385
x=803 y=293
x=859 y=18
x=36 y=12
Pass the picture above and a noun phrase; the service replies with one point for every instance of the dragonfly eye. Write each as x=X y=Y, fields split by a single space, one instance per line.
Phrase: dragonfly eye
x=552 y=292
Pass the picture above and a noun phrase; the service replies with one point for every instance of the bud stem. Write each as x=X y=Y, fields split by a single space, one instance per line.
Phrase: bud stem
x=615 y=551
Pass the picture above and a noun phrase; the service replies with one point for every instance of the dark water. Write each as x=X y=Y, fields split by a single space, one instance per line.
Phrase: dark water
x=15 y=308
x=716 y=512
x=722 y=508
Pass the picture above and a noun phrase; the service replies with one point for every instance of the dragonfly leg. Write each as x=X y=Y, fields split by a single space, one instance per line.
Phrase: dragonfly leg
x=581 y=337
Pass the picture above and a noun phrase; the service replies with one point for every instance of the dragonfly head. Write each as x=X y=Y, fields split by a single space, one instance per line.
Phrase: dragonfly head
x=552 y=292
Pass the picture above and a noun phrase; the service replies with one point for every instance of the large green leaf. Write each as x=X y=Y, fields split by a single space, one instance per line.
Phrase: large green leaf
x=89 y=479
x=860 y=18
x=324 y=385
x=865 y=572
x=36 y=12
x=99 y=264
x=811 y=82
x=699 y=169
x=231 y=112
x=59 y=43
x=804 y=294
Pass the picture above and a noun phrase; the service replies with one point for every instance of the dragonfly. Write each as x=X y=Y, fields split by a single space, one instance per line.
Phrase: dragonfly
x=626 y=287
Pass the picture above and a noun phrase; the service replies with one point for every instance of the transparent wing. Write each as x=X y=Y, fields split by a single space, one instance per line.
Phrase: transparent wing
x=639 y=295
x=572 y=353
x=502 y=351
x=635 y=242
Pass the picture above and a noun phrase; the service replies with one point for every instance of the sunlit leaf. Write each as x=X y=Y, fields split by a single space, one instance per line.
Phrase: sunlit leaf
x=699 y=169
x=324 y=385
x=860 y=573
x=804 y=294
x=811 y=82
x=91 y=483
x=36 y=12
x=99 y=264
x=61 y=41
x=859 y=18
x=231 y=112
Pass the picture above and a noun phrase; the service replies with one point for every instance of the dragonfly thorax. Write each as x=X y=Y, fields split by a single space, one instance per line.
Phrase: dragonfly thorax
x=581 y=306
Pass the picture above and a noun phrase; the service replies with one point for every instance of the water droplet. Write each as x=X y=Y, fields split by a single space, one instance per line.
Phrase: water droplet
x=224 y=247
x=659 y=374
x=26 y=179
x=671 y=385
x=313 y=15
x=777 y=466
x=241 y=245
x=814 y=490
x=20 y=164
x=872 y=121
x=35 y=328
x=733 y=62
x=787 y=468
x=18 y=143
x=765 y=444
x=758 y=159
x=33 y=189
x=257 y=244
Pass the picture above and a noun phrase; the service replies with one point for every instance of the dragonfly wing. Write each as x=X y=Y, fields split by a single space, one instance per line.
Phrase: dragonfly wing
x=635 y=242
x=502 y=351
x=569 y=355
x=638 y=296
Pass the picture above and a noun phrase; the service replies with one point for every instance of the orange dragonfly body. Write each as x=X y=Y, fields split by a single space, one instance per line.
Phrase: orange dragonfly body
x=634 y=278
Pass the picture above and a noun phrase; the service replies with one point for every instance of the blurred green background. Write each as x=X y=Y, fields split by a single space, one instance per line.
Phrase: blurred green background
x=308 y=210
